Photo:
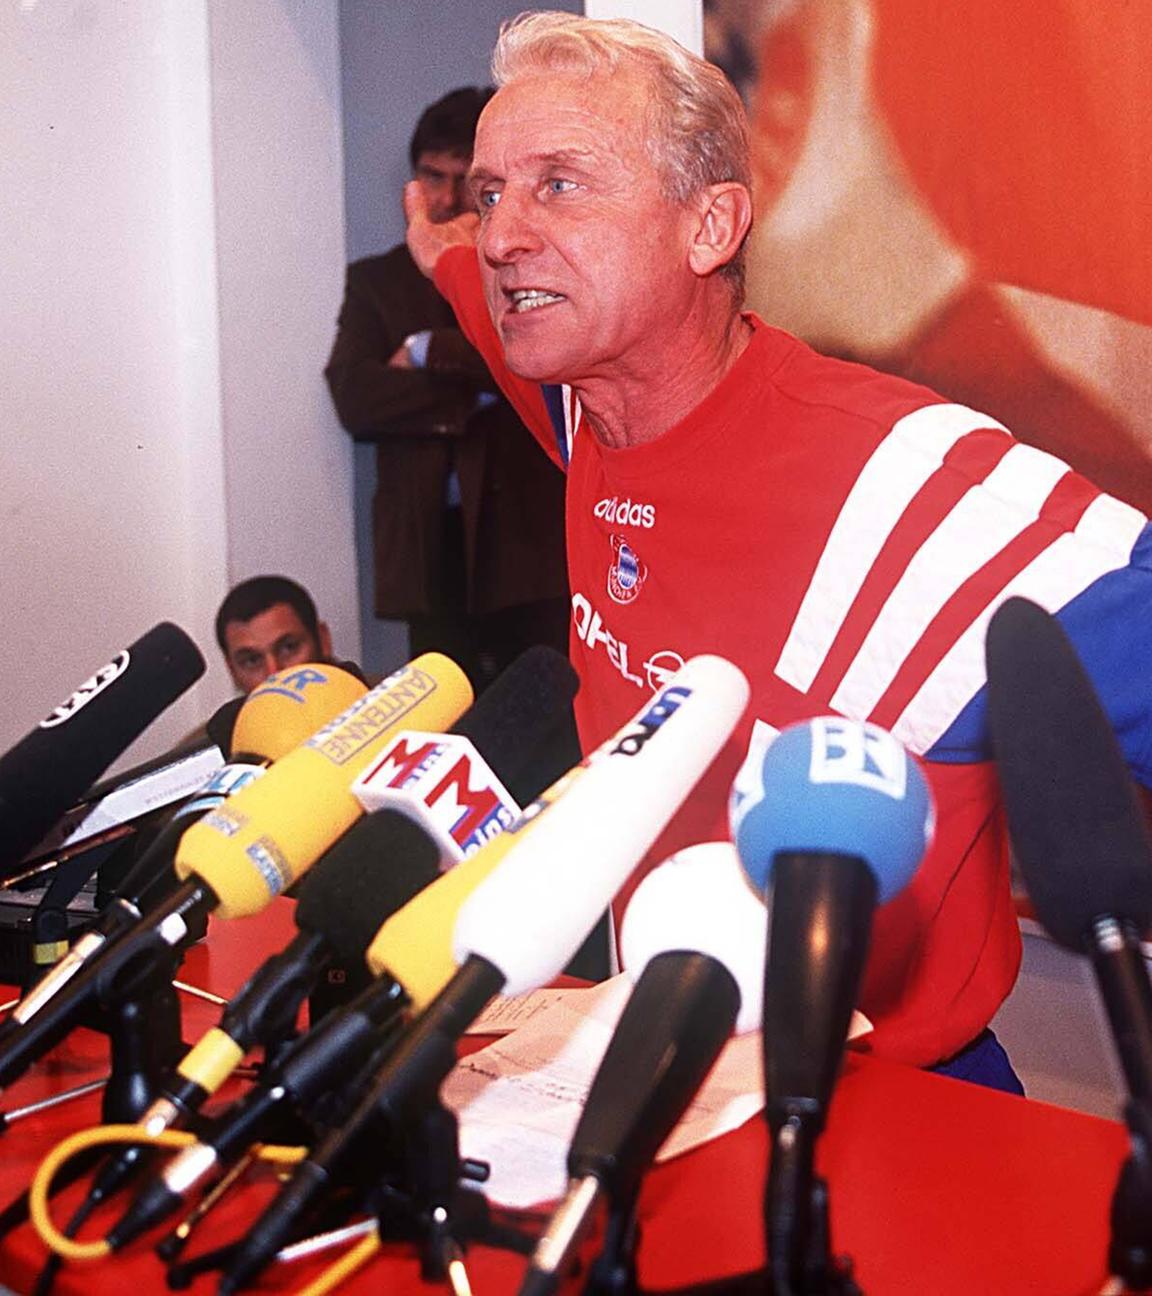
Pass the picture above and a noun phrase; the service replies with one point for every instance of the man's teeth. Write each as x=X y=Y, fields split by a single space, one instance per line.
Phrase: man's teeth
x=526 y=299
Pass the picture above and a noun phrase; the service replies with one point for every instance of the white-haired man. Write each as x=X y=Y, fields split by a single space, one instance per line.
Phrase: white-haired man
x=841 y=535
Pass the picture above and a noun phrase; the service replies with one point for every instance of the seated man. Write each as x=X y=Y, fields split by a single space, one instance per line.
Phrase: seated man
x=265 y=624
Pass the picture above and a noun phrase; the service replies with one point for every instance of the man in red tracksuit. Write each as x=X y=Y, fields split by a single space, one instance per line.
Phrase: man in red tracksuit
x=842 y=535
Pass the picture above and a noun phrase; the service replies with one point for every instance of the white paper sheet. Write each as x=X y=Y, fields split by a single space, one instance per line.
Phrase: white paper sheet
x=519 y=1099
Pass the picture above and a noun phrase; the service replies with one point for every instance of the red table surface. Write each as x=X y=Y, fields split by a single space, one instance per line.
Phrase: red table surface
x=937 y=1187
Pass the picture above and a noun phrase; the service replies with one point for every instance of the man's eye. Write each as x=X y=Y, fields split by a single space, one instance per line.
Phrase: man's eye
x=557 y=185
x=488 y=198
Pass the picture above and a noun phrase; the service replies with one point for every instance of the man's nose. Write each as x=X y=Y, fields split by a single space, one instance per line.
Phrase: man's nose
x=509 y=229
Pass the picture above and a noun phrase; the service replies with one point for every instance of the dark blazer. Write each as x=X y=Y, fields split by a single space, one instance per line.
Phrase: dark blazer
x=512 y=496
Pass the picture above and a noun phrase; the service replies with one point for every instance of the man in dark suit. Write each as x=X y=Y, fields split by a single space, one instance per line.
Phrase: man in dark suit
x=468 y=512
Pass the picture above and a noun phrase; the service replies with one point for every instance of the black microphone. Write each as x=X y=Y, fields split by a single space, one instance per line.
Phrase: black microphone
x=839 y=820
x=550 y=876
x=222 y=722
x=509 y=723
x=53 y=766
x=379 y=864
x=1082 y=846
x=694 y=936
x=284 y=711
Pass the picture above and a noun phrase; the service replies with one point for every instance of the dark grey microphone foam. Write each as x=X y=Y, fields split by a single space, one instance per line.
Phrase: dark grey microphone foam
x=513 y=721
x=50 y=769
x=1075 y=821
x=378 y=865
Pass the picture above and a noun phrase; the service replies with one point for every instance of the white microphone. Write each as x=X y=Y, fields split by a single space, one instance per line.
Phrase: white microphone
x=531 y=896
x=580 y=841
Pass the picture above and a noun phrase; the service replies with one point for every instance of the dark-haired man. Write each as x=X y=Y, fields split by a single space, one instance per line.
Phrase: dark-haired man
x=266 y=624
x=468 y=512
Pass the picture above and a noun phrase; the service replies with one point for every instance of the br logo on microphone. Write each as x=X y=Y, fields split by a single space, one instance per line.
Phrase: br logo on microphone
x=846 y=751
x=291 y=684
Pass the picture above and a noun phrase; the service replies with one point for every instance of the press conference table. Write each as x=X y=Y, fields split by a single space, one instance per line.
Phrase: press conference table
x=937 y=1187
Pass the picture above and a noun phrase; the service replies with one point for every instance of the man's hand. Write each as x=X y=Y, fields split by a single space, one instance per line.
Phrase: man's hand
x=427 y=240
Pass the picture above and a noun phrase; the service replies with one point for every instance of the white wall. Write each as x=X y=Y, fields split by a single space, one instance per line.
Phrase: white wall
x=683 y=20
x=280 y=236
x=171 y=226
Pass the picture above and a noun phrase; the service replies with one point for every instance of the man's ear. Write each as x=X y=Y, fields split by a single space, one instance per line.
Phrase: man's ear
x=725 y=212
x=325 y=641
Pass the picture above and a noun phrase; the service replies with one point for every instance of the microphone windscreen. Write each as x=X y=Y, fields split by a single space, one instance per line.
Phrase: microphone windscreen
x=518 y=712
x=379 y=864
x=1073 y=815
x=221 y=724
x=699 y=901
x=270 y=832
x=288 y=707
x=50 y=769
x=577 y=845
x=836 y=786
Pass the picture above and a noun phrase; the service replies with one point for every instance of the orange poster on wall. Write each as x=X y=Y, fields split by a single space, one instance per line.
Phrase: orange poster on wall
x=963 y=194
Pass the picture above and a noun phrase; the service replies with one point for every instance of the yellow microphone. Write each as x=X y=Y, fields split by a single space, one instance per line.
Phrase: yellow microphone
x=281 y=713
x=261 y=840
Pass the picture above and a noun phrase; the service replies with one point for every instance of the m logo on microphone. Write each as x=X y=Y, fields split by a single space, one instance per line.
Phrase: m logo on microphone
x=442 y=782
x=845 y=751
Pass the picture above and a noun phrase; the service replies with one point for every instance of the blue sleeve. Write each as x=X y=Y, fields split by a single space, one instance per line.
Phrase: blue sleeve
x=1110 y=626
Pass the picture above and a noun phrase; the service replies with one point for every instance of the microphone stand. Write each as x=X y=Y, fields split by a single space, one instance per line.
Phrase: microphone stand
x=1130 y=1247
x=613 y=1272
x=1122 y=975
x=50 y=930
x=144 y=1027
x=430 y=1203
x=800 y=1259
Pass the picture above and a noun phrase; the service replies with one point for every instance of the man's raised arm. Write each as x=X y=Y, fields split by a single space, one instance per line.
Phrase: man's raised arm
x=427 y=239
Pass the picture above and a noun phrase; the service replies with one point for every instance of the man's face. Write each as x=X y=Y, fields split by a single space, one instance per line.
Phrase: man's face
x=443 y=179
x=582 y=257
x=271 y=641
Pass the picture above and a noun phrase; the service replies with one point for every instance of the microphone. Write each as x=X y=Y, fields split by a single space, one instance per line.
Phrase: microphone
x=268 y=833
x=443 y=784
x=377 y=866
x=374 y=869
x=54 y=765
x=221 y=726
x=274 y=719
x=522 y=905
x=342 y=903
x=837 y=822
x=118 y=806
x=693 y=940
x=1082 y=846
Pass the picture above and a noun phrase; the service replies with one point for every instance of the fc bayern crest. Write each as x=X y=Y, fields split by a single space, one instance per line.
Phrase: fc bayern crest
x=627 y=573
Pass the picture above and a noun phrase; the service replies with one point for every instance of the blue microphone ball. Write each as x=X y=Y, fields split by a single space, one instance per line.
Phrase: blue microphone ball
x=832 y=785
